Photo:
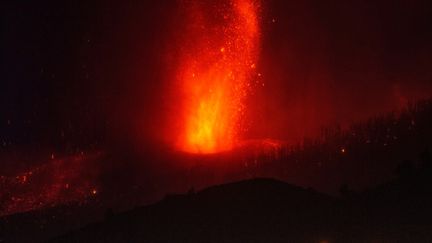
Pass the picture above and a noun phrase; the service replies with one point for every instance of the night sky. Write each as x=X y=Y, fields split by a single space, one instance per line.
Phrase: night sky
x=80 y=75
x=91 y=103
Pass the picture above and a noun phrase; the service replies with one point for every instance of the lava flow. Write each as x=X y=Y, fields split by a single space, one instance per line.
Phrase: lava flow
x=218 y=61
x=57 y=181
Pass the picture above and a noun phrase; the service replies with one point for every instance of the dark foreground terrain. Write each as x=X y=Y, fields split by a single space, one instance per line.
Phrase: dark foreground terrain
x=267 y=210
x=256 y=210
x=99 y=196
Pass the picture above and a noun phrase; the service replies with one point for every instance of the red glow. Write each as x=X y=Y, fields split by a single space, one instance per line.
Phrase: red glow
x=217 y=64
x=56 y=182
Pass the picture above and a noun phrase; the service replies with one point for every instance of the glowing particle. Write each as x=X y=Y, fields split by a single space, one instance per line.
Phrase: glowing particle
x=214 y=96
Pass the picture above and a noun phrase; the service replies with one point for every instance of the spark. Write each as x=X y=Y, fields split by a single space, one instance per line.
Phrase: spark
x=46 y=185
x=220 y=62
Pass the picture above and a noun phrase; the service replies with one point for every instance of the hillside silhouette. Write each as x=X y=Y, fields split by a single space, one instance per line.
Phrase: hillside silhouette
x=245 y=211
x=378 y=174
x=362 y=155
x=267 y=210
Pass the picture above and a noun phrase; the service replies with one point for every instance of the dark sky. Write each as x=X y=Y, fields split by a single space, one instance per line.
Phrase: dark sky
x=341 y=61
x=82 y=73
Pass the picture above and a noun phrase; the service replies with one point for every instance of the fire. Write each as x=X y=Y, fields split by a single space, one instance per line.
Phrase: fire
x=218 y=60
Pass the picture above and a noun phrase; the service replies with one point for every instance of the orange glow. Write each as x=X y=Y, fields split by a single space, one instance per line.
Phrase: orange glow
x=217 y=64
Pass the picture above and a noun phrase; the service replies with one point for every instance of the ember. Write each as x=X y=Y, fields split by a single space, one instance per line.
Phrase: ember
x=217 y=64
x=55 y=182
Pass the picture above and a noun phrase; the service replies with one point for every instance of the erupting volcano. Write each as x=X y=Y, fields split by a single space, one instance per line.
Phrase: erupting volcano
x=215 y=72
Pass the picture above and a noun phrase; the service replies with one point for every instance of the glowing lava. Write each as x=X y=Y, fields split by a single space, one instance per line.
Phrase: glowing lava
x=218 y=60
x=56 y=182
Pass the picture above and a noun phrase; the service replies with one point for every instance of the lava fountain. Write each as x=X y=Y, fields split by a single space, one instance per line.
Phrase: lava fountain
x=215 y=72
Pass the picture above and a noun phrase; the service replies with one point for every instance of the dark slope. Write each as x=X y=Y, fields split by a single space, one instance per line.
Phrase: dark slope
x=43 y=224
x=267 y=210
x=259 y=210
x=399 y=211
